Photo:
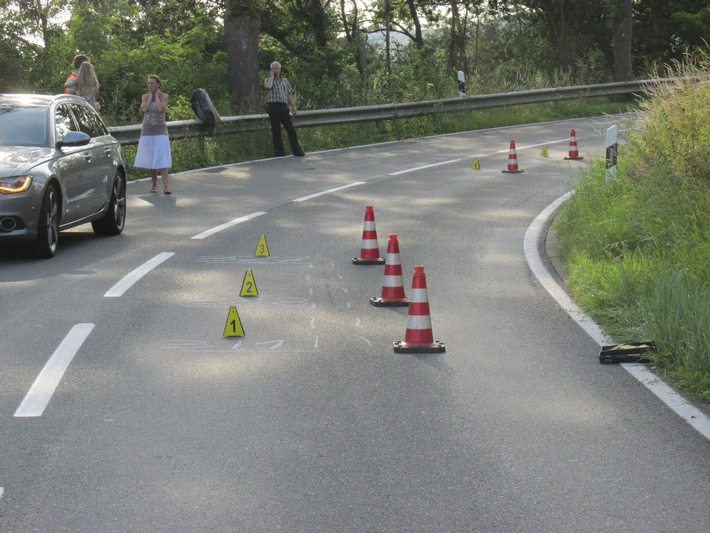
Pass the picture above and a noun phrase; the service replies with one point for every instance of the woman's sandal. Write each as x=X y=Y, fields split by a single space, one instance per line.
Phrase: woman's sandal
x=166 y=190
x=154 y=188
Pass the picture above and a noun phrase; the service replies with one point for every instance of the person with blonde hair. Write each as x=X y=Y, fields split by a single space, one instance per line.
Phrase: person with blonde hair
x=70 y=82
x=87 y=84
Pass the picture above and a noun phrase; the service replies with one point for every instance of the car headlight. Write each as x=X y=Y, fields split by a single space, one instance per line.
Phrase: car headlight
x=15 y=184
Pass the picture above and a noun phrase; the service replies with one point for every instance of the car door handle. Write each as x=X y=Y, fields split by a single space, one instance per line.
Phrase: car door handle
x=107 y=151
x=87 y=157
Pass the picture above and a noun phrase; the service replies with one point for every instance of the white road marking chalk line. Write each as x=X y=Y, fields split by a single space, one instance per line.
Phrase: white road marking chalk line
x=48 y=379
x=132 y=277
x=533 y=243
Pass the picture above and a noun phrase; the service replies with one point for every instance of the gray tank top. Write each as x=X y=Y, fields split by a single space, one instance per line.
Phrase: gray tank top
x=154 y=122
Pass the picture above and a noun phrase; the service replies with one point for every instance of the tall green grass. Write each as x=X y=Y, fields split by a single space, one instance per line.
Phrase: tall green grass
x=637 y=246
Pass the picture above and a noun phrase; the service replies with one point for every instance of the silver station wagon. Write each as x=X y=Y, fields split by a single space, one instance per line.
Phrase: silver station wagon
x=59 y=168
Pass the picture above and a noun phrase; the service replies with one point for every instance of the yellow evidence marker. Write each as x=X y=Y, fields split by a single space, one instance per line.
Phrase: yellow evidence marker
x=249 y=285
x=476 y=165
x=544 y=151
x=262 y=249
x=233 y=327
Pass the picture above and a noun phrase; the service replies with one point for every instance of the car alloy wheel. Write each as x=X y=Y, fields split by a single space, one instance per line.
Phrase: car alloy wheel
x=114 y=220
x=48 y=227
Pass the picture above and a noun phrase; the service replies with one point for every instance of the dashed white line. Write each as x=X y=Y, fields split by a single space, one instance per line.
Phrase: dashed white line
x=226 y=225
x=132 y=277
x=336 y=189
x=36 y=400
x=532 y=244
x=423 y=167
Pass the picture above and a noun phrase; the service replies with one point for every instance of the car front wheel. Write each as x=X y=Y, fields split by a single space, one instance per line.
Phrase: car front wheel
x=114 y=220
x=48 y=227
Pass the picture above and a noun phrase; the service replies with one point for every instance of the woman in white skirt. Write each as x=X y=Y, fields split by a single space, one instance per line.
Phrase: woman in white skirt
x=153 y=150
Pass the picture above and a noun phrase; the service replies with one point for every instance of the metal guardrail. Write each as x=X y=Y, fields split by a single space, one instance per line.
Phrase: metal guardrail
x=128 y=135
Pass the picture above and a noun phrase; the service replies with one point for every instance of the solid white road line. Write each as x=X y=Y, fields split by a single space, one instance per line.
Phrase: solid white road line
x=48 y=379
x=534 y=239
x=226 y=225
x=316 y=195
x=132 y=277
x=424 y=167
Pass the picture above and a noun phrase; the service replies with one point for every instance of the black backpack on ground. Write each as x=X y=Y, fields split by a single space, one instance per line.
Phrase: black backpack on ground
x=205 y=110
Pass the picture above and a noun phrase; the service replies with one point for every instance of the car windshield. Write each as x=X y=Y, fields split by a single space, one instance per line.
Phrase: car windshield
x=23 y=125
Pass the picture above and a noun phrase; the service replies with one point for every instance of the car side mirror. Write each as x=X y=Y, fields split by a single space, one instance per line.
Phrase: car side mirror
x=73 y=138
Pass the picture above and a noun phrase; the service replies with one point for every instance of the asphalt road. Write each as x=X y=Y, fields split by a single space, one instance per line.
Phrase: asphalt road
x=310 y=421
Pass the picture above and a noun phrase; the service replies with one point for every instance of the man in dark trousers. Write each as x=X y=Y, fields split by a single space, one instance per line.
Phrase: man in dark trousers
x=280 y=99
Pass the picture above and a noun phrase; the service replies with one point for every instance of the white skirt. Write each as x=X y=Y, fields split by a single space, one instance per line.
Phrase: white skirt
x=153 y=152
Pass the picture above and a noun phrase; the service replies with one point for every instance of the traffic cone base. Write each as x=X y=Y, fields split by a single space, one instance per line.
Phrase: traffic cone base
x=382 y=302
x=362 y=261
x=403 y=347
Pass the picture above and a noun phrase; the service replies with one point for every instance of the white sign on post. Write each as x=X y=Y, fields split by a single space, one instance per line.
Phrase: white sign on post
x=462 y=83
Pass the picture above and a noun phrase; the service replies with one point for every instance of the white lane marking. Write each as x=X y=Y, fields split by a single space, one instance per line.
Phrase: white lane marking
x=532 y=244
x=226 y=225
x=48 y=379
x=131 y=278
x=424 y=167
x=336 y=189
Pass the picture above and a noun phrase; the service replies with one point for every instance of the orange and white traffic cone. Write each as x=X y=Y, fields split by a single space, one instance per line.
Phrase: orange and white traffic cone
x=392 y=294
x=419 y=337
x=370 y=250
x=573 y=152
x=512 y=160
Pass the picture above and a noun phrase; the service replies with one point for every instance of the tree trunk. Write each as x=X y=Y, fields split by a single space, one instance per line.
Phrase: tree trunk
x=622 y=41
x=319 y=23
x=241 y=34
x=418 y=35
x=453 y=37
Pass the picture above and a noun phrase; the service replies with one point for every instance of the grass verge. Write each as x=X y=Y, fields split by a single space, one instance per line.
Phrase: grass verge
x=636 y=246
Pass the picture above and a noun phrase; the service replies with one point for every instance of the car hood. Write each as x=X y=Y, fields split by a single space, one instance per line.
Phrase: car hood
x=18 y=159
